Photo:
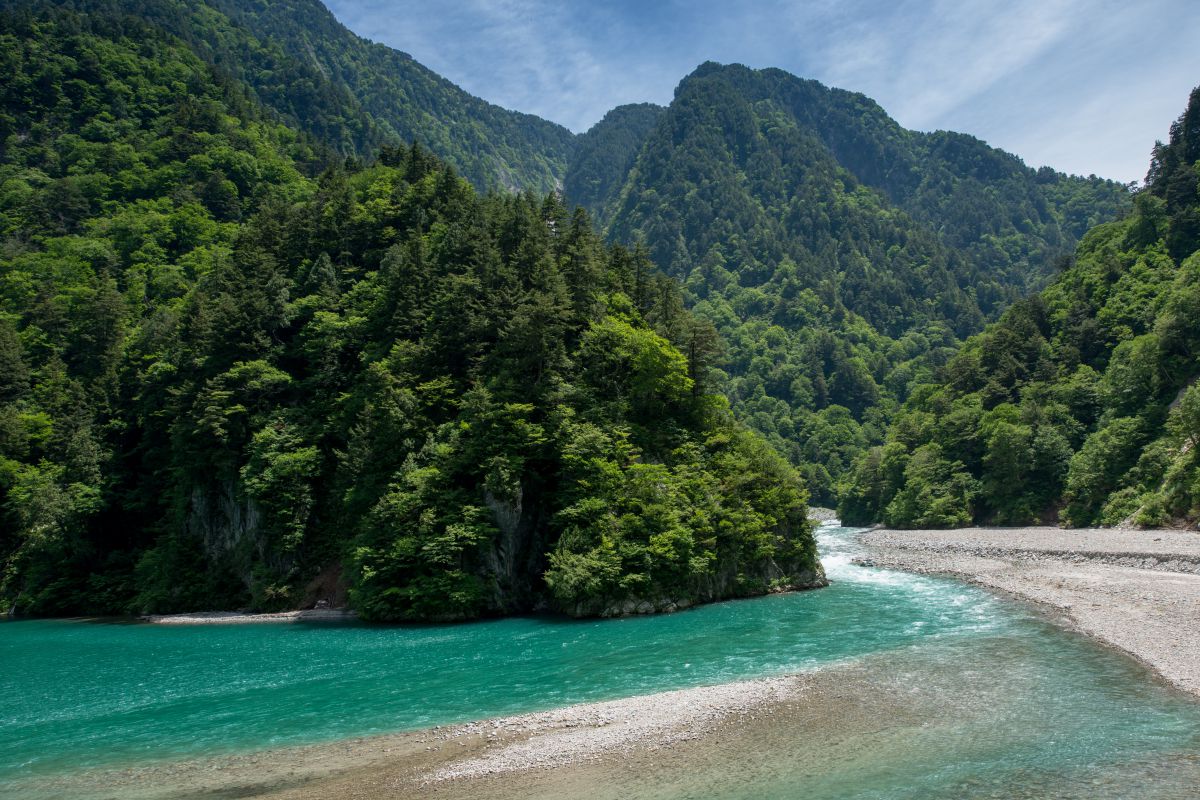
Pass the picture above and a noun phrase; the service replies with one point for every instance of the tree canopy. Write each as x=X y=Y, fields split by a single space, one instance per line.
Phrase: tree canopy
x=237 y=370
x=1079 y=404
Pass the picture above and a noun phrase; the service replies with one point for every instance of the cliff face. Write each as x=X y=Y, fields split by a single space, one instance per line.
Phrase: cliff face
x=224 y=521
x=515 y=560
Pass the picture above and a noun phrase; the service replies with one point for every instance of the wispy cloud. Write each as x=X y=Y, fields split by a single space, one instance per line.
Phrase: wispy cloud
x=935 y=57
x=1083 y=85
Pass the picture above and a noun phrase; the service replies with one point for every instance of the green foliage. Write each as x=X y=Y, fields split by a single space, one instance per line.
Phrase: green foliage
x=305 y=68
x=937 y=493
x=1095 y=470
x=225 y=367
x=840 y=256
x=412 y=560
x=1184 y=423
x=605 y=154
x=278 y=476
x=1078 y=404
x=662 y=532
x=380 y=94
x=635 y=368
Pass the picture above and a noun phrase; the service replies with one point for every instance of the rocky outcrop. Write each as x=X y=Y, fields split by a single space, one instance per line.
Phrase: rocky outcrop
x=222 y=517
x=726 y=584
x=516 y=559
x=229 y=527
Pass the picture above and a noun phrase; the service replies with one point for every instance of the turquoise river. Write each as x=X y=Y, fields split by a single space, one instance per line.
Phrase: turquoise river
x=1013 y=702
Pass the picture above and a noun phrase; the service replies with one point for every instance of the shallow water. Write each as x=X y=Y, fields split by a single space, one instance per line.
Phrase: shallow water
x=994 y=698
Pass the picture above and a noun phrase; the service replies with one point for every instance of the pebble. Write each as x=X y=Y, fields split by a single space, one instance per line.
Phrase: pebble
x=1138 y=591
x=586 y=732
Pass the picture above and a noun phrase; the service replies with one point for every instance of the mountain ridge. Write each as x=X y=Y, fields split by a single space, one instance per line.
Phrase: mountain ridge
x=839 y=254
x=1080 y=405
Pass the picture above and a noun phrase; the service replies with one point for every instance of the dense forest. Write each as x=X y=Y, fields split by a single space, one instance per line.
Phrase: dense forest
x=297 y=61
x=285 y=316
x=1080 y=405
x=238 y=370
x=841 y=257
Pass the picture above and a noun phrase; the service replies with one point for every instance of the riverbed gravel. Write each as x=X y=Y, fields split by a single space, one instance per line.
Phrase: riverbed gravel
x=1136 y=590
x=586 y=732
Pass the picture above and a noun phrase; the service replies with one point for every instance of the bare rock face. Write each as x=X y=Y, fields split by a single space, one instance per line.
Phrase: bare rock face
x=516 y=559
x=222 y=518
x=228 y=524
x=507 y=512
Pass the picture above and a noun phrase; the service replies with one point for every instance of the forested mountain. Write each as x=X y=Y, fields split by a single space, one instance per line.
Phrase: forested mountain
x=299 y=61
x=237 y=371
x=257 y=349
x=1081 y=404
x=841 y=256
x=490 y=146
x=605 y=154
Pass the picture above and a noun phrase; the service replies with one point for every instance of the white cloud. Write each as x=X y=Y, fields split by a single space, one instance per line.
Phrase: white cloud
x=931 y=58
x=1082 y=85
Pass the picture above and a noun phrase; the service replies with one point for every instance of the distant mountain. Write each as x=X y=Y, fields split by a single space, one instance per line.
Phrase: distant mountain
x=840 y=255
x=350 y=94
x=734 y=135
x=491 y=146
x=605 y=154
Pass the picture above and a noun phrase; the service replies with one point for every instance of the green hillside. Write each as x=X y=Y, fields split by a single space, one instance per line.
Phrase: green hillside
x=239 y=372
x=490 y=146
x=297 y=60
x=605 y=154
x=1080 y=404
x=840 y=256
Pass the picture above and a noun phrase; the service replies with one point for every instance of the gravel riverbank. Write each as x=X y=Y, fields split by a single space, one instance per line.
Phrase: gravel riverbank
x=238 y=617
x=502 y=757
x=1136 y=590
x=587 y=732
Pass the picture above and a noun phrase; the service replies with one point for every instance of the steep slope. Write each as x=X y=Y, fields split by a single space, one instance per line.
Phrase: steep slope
x=840 y=255
x=490 y=146
x=1009 y=220
x=605 y=154
x=237 y=373
x=351 y=94
x=1081 y=404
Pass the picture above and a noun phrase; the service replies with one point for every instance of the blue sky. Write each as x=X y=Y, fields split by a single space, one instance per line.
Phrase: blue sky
x=1085 y=86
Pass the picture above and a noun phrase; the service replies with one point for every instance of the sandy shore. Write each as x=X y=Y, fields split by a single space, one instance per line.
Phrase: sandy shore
x=235 y=617
x=503 y=757
x=1137 y=590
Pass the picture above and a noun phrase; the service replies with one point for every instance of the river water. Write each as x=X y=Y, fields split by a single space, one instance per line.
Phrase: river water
x=1001 y=701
